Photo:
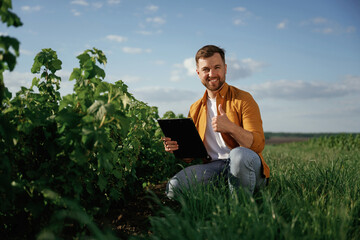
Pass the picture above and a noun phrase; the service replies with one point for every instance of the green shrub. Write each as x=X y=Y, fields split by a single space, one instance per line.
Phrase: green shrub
x=96 y=147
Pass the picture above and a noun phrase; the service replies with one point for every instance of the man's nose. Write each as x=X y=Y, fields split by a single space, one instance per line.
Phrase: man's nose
x=212 y=73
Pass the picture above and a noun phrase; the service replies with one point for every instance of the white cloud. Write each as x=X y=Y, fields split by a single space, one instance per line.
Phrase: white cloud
x=166 y=99
x=161 y=94
x=282 y=25
x=301 y=90
x=239 y=22
x=326 y=26
x=319 y=20
x=187 y=67
x=156 y=20
x=26 y=52
x=75 y=12
x=85 y=3
x=237 y=69
x=113 y=2
x=133 y=50
x=15 y=80
x=147 y=32
x=159 y=62
x=242 y=16
x=176 y=73
x=326 y=30
x=144 y=32
x=116 y=38
x=152 y=8
x=80 y=2
x=97 y=5
x=350 y=29
x=190 y=66
x=4 y=34
x=31 y=9
x=130 y=79
x=239 y=9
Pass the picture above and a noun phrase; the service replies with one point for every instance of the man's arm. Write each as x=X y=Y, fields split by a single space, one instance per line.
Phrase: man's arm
x=221 y=123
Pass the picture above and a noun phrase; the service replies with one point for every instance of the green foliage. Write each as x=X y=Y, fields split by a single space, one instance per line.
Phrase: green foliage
x=341 y=142
x=9 y=47
x=8 y=17
x=171 y=114
x=313 y=193
x=96 y=147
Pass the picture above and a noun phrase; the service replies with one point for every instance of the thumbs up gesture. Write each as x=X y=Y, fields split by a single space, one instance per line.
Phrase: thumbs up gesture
x=221 y=123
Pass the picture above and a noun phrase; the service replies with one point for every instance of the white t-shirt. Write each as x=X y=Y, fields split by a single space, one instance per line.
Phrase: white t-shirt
x=214 y=143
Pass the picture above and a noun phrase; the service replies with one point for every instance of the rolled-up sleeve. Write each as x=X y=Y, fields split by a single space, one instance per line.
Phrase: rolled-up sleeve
x=251 y=120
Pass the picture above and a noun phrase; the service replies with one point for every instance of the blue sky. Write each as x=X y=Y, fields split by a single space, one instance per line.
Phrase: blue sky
x=299 y=59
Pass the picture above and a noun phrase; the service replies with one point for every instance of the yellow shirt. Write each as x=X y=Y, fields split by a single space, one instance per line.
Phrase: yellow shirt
x=240 y=108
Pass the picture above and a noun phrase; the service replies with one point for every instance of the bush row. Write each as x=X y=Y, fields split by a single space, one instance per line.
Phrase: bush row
x=93 y=149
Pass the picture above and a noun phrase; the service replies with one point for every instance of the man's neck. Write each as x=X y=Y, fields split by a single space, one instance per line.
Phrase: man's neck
x=212 y=94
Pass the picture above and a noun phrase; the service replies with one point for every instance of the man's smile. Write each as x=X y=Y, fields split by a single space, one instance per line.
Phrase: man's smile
x=213 y=80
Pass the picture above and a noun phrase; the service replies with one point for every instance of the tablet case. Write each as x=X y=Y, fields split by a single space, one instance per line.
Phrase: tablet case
x=183 y=131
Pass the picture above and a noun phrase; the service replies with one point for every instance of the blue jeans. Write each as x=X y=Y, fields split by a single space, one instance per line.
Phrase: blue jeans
x=243 y=169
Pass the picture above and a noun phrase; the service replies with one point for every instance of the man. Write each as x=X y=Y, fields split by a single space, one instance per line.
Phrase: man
x=229 y=123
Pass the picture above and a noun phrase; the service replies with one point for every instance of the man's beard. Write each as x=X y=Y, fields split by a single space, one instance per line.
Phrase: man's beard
x=216 y=87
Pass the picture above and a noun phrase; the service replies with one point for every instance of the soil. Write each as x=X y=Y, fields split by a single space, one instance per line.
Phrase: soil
x=133 y=218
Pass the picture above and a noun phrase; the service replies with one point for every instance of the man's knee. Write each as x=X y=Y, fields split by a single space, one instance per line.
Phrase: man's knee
x=172 y=187
x=240 y=158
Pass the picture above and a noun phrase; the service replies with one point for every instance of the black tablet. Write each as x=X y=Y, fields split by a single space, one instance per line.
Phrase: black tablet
x=183 y=131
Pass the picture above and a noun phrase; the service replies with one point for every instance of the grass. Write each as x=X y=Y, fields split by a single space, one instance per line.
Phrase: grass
x=314 y=193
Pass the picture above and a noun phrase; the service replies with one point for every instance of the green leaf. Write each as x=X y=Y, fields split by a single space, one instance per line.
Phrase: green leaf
x=88 y=65
x=10 y=59
x=35 y=82
x=110 y=108
x=102 y=182
x=78 y=156
x=75 y=74
x=68 y=100
x=36 y=66
x=83 y=58
x=95 y=106
x=100 y=72
x=56 y=64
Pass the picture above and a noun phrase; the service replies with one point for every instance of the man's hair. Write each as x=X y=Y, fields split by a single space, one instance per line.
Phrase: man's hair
x=209 y=51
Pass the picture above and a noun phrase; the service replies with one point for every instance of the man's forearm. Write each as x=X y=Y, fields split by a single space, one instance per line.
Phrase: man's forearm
x=243 y=137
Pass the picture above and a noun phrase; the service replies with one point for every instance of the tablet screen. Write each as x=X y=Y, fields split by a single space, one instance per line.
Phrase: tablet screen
x=183 y=131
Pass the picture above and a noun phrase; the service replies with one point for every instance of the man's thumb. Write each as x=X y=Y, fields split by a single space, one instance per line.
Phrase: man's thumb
x=221 y=111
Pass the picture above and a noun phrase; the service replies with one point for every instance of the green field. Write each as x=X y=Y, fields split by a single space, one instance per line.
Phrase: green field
x=314 y=193
x=69 y=164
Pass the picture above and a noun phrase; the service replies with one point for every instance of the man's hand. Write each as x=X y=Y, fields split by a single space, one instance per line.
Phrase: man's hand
x=221 y=123
x=170 y=146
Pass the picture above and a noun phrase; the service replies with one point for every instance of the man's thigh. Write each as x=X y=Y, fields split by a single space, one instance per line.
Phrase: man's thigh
x=200 y=173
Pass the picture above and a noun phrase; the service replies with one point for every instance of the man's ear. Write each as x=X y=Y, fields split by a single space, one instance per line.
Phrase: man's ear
x=225 y=68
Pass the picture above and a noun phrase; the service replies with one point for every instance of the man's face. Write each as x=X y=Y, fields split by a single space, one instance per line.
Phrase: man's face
x=212 y=71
